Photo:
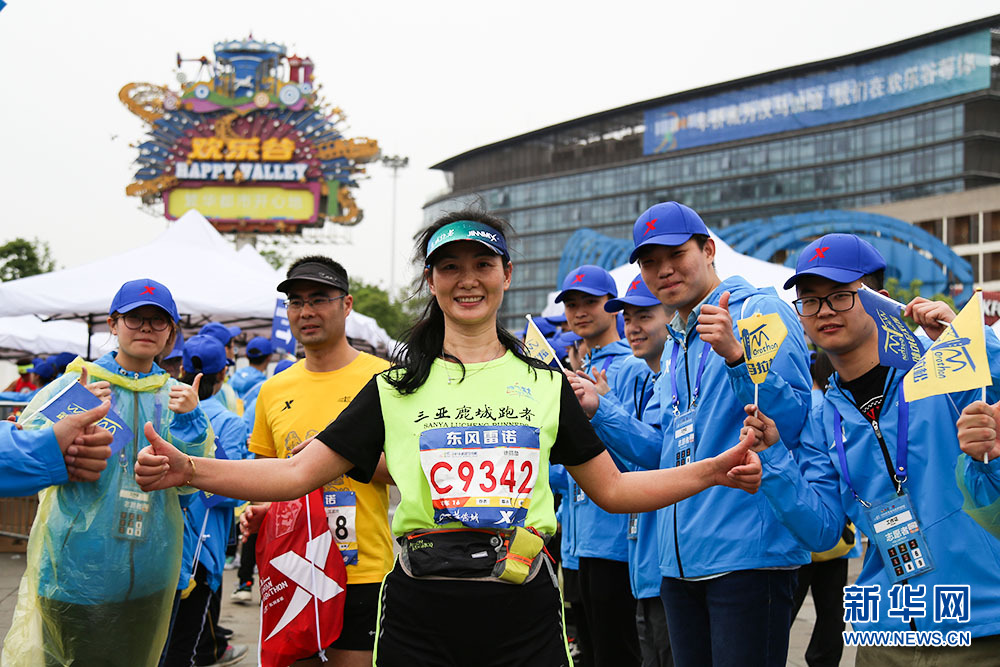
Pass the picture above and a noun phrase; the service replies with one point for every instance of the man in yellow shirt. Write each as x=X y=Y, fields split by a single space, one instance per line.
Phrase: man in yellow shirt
x=295 y=405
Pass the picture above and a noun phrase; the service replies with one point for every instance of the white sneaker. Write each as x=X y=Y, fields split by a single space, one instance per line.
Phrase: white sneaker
x=234 y=653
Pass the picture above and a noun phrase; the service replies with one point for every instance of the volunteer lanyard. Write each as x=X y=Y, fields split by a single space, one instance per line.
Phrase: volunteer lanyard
x=902 y=447
x=640 y=398
x=697 y=382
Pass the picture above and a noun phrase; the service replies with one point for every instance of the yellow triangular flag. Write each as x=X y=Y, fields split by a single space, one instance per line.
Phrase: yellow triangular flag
x=536 y=344
x=761 y=336
x=955 y=362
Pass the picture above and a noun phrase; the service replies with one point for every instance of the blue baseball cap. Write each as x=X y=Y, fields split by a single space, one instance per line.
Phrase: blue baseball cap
x=143 y=292
x=178 y=347
x=282 y=365
x=842 y=258
x=204 y=354
x=63 y=359
x=468 y=230
x=259 y=347
x=220 y=332
x=589 y=279
x=557 y=319
x=45 y=370
x=667 y=223
x=560 y=342
x=546 y=328
x=636 y=295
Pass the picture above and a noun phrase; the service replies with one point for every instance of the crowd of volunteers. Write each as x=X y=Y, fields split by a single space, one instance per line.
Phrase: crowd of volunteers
x=681 y=507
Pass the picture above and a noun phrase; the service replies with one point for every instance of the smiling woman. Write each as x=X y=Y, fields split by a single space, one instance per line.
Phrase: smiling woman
x=469 y=424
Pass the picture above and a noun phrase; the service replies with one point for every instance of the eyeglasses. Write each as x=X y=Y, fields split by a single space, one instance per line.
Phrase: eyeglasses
x=156 y=322
x=838 y=301
x=315 y=302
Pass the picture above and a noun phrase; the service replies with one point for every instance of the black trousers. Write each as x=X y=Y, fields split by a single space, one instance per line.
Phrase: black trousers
x=192 y=638
x=576 y=620
x=827 y=580
x=610 y=609
x=248 y=559
x=654 y=639
x=454 y=623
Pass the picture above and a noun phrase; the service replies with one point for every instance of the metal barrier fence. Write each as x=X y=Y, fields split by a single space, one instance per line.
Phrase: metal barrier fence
x=17 y=515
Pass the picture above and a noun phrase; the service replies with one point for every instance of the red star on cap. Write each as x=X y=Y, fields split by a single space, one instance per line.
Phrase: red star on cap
x=578 y=278
x=650 y=226
x=148 y=290
x=820 y=253
x=634 y=285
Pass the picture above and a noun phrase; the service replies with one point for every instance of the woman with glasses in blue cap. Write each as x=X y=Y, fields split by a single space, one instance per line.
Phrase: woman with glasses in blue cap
x=469 y=424
x=104 y=557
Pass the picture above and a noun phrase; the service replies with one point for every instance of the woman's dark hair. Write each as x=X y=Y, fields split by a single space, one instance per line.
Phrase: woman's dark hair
x=424 y=342
x=821 y=369
x=208 y=381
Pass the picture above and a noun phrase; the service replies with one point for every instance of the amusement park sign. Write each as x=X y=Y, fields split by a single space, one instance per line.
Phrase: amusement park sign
x=248 y=144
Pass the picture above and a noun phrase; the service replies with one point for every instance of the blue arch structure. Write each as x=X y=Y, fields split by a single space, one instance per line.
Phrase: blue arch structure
x=910 y=252
x=586 y=246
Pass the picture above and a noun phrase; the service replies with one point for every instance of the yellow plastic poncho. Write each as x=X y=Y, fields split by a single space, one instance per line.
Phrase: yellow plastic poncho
x=104 y=557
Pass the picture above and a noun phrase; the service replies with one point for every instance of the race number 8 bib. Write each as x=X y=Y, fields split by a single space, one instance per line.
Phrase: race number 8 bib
x=341 y=511
x=481 y=476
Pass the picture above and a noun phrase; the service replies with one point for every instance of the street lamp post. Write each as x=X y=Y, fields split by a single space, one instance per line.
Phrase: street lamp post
x=394 y=162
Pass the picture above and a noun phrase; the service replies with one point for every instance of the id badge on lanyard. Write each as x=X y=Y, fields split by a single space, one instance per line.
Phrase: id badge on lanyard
x=684 y=429
x=684 y=435
x=895 y=528
x=900 y=542
x=132 y=509
x=633 y=526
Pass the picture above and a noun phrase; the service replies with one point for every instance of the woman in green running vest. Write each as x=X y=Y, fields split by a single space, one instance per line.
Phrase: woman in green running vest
x=469 y=424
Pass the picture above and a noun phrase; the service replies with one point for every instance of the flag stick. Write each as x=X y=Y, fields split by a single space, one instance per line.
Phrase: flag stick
x=531 y=323
x=982 y=314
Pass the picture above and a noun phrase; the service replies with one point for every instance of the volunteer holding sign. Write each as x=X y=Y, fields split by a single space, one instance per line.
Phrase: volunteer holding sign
x=469 y=424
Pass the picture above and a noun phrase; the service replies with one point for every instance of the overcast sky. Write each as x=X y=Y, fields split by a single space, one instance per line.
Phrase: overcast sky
x=428 y=80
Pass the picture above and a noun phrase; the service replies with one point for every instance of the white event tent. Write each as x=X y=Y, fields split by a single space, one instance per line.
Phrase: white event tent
x=728 y=262
x=209 y=280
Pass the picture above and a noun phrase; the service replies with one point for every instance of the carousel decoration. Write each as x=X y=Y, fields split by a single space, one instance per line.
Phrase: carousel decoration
x=248 y=143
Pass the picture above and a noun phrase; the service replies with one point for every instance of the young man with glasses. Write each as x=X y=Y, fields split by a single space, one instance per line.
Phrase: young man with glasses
x=295 y=405
x=889 y=466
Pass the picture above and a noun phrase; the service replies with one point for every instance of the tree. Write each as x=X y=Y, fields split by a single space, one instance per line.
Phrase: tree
x=393 y=315
x=273 y=257
x=21 y=258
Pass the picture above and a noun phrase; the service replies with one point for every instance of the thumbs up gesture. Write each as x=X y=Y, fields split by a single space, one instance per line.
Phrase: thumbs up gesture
x=715 y=327
x=160 y=465
x=101 y=389
x=184 y=397
x=85 y=446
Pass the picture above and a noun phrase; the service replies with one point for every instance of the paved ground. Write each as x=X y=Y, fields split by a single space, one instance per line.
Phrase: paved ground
x=243 y=619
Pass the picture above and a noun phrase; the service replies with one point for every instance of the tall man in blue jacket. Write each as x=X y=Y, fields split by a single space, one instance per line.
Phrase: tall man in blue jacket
x=890 y=466
x=728 y=564
x=595 y=537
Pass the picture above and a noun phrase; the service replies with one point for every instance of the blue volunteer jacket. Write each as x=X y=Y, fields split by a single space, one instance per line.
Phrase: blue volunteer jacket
x=643 y=553
x=246 y=379
x=29 y=461
x=231 y=435
x=559 y=481
x=963 y=552
x=596 y=533
x=720 y=529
